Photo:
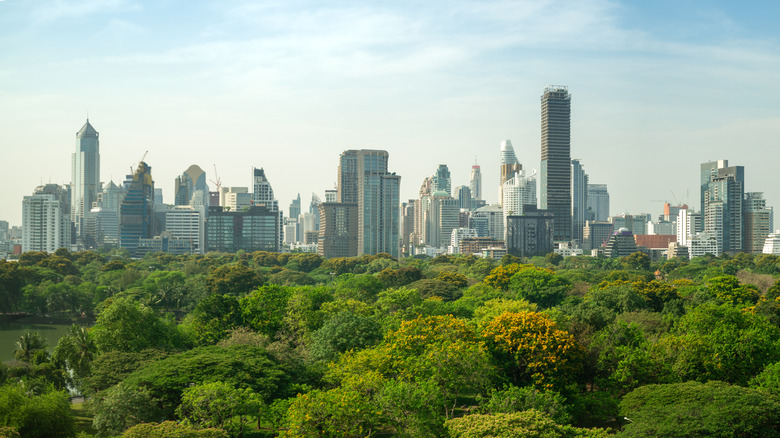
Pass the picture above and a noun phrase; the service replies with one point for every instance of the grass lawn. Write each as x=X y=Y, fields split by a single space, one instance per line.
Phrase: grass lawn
x=83 y=419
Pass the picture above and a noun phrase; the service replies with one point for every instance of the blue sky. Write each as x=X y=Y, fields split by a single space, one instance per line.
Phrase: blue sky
x=657 y=88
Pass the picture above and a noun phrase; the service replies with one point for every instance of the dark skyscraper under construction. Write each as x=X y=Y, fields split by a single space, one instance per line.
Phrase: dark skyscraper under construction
x=555 y=174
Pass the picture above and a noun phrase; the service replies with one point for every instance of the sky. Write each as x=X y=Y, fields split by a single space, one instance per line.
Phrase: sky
x=657 y=88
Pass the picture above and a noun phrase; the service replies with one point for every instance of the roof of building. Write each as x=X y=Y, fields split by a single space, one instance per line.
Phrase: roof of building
x=87 y=131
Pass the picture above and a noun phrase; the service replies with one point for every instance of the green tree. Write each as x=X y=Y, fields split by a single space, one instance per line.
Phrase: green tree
x=344 y=331
x=539 y=285
x=527 y=424
x=213 y=318
x=720 y=342
x=75 y=351
x=264 y=309
x=123 y=406
x=514 y=399
x=43 y=415
x=694 y=409
x=233 y=279
x=28 y=345
x=637 y=261
x=219 y=405
x=171 y=429
x=125 y=325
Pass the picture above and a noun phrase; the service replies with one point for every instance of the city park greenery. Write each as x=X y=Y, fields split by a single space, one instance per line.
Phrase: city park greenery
x=293 y=345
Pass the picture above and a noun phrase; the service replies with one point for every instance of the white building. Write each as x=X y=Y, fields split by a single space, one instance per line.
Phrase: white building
x=185 y=222
x=518 y=191
x=458 y=234
x=772 y=244
x=45 y=224
x=701 y=244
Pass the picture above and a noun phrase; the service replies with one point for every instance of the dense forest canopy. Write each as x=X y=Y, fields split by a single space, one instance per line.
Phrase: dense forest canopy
x=265 y=344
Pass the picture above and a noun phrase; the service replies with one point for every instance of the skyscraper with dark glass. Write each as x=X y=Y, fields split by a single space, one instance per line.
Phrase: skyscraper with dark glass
x=85 y=175
x=555 y=174
x=136 y=214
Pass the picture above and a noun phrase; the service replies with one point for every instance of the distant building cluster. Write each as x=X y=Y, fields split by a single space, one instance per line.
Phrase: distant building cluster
x=556 y=209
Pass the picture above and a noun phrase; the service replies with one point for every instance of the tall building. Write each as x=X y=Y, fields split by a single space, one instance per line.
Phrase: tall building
x=723 y=192
x=555 y=173
x=338 y=234
x=407 y=225
x=757 y=222
x=620 y=244
x=85 y=175
x=530 y=233
x=595 y=235
x=475 y=183
x=295 y=207
x=46 y=219
x=188 y=223
x=772 y=244
x=518 y=192
x=136 y=213
x=509 y=167
x=442 y=181
x=488 y=221
x=263 y=195
x=464 y=197
x=256 y=228
x=598 y=202
x=365 y=181
x=579 y=200
x=192 y=181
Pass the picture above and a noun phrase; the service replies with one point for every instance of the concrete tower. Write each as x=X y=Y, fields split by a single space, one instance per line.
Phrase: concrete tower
x=85 y=175
x=555 y=174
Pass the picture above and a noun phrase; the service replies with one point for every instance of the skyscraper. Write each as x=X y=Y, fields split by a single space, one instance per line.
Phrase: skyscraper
x=85 y=175
x=758 y=222
x=46 y=219
x=579 y=199
x=723 y=192
x=189 y=184
x=519 y=192
x=475 y=183
x=509 y=167
x=263 y=195
x=555 y=174
x=442 y=181
x=136 y=214
x=598 y=202
x=365 y=180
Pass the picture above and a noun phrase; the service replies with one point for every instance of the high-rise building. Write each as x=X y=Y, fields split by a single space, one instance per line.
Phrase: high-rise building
x=555 y=173
x=488 y=221
x=407 y=225
x=364 y=180
x=509 y=167
x=595 y=235
x=723 y=192
x=46 y=219
x=85 y=175
x=263 y=195
x=136 y=214
x=579 y=200
x=530 y=233
x=464 y=197
x=757 y=222
x=518 y=192
x=442 y=181
x=295 y=207
x=475 y=183
x=254 y=229
x=186 y=222
x=772 y=244
x=620 y=244
x=192 y=181
x=338 y=234
x=598 y=202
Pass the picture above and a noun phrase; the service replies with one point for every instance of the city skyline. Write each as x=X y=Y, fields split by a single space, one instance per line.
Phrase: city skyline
x=444 y=84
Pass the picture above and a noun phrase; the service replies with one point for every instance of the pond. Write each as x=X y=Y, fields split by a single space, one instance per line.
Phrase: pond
x=10 y=331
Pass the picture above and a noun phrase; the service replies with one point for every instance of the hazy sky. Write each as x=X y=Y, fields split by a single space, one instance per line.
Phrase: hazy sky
x=657 y=88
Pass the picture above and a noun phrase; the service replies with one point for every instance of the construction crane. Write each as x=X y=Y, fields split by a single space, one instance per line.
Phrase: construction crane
x=218 y=181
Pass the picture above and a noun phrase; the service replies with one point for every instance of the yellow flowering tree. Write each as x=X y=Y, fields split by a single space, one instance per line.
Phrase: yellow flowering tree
x=532 y=350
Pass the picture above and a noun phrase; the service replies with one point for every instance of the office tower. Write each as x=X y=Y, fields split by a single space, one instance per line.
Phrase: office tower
x=192 y=181
x=636 y=223
x=620 y=244
x=46 y=220
x=488 y=221
x=263 y=195
x=444 y=216
x=722 y=204
x=338 y=234
x=186 y=222
x=772 y=244
x=295 y=207
x=595 y=235
x=136 y=213
x=422 y=214
x=331 y=196
x=509 y=167
x=475 y=183
x=579 y=199
x=598 y=202
x=364 y=180
x=757 y=222
x=464 y=197
x=702 y=244
x=442 y=181
x=518 y=192
x=407 y=225
x=457 y=236
x=85 y=175
x=555 y=174
x=253 y=229
x=529 y=234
